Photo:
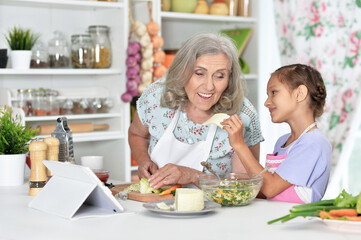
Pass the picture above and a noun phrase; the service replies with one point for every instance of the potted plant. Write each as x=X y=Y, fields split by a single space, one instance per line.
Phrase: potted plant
x=21 y=41
x=14 y=140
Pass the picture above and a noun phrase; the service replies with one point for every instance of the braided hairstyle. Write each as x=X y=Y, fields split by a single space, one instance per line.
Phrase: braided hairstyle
x=298 y=74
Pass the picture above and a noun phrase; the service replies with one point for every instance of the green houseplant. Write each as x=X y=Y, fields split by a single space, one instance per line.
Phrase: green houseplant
x=14 y=139
x=21 y=41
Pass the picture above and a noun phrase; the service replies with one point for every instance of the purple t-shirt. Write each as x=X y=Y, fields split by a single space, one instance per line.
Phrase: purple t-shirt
x=307 y=163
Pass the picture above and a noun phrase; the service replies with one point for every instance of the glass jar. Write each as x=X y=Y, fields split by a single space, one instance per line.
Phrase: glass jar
x=58 y=51
x=53 y=103
x=30 y=96
x=66 y=106
x=22 y=99
x=77 y=107
x=106 y=105
x=101 y=45
x=39 y=56
x=82 y=51
x=39 y=103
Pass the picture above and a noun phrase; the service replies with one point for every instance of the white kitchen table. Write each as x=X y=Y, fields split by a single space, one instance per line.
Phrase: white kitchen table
x=17 y=221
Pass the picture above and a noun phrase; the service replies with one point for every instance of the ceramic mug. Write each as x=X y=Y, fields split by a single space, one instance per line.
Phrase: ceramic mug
x=93 y=162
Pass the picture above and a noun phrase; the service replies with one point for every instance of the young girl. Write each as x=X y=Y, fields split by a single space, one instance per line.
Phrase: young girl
x=301 y=159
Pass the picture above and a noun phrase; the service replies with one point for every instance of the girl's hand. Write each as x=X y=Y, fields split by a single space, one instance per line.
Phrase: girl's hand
x=146 y=168
x=234 y=127
x=173 y=174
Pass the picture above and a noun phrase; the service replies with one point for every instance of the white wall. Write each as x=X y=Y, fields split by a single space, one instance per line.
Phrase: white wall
x=269 y=61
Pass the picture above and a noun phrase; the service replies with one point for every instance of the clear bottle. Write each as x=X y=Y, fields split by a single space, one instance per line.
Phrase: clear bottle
x=22 y=100
x=53 y=103
x=102 y=46
x=82 y=51
x=39 y=103
x=58 y=51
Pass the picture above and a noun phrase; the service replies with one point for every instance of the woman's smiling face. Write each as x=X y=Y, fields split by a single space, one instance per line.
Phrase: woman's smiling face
x=209 y=80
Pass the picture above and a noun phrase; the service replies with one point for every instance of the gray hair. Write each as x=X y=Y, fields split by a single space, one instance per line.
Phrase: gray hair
x=182 y=67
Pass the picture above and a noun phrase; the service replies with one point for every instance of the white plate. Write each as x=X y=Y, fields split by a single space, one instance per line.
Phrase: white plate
x=341 y=225
x=152 y=206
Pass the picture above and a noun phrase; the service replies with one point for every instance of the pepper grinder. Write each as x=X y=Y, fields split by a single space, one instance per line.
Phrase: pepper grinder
x=52 y=153
x=38 y=172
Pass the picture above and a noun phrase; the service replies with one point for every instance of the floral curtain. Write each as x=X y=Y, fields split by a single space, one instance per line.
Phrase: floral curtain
x=326 y=34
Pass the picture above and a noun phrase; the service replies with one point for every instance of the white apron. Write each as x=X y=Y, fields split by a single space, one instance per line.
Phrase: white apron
x=170 y=150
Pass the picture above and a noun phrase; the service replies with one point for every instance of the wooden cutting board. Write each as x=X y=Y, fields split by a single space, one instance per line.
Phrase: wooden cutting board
x=136 y=196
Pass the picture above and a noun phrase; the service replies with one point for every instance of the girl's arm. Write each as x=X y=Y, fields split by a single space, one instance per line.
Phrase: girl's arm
x=138 y=137
x=273 y=184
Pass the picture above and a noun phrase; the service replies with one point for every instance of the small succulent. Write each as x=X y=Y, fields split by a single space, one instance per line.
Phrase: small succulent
x=21 y=39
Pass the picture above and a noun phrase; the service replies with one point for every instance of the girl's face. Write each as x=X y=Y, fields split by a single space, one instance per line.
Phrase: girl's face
x=209 y=80
x=281 y=101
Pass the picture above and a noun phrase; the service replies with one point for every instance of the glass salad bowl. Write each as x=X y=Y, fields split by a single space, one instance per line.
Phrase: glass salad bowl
x=232 y=189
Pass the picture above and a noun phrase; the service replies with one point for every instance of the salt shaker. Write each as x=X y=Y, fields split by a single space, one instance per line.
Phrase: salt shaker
x=52 y=153
x=38 y=171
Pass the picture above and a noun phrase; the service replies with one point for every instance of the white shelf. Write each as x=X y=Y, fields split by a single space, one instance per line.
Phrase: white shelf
x=134 y=168
x=93 y=136
x=65 y=3
x=73 y=117
x=54 y=71
x=205 y=17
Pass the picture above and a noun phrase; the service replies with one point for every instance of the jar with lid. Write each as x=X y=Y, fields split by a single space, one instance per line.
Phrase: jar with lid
x=106 y=105
x=102 y=46
x=53 y=103
x=66 y=106
x=58 y=51
x=82 y=51
x=39 y=56
x=22 y=100
x=30 y=97
x=77 y=107
x=39 y=103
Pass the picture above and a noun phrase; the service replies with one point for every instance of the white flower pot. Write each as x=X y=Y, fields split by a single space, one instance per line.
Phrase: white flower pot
x=20 y=59
x=12 y=169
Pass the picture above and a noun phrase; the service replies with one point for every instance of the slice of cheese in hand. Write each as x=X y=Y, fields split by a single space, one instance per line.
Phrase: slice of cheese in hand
x=189 y=199
x=217 y=119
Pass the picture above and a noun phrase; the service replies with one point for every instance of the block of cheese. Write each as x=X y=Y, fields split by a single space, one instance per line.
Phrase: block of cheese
x=189 y=199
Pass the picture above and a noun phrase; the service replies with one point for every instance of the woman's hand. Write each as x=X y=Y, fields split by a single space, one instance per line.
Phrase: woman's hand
x=234 y=127
x=146 y=168
x=173 y=174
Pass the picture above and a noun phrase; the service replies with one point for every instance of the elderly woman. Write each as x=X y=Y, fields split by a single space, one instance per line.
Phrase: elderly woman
x=167 y=137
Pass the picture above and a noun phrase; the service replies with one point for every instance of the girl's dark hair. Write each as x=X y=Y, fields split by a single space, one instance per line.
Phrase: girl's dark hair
x=298 y=74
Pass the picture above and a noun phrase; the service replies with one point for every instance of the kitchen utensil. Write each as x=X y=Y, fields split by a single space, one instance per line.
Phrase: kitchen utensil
x=209 y=168
x=265 y=169
x=75 y=128
x=38 y=177
x=136 y=196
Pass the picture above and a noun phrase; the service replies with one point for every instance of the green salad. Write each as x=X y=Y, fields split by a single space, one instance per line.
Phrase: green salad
x=233 y=194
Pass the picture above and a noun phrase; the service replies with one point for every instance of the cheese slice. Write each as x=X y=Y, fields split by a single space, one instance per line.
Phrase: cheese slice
x=163 y=206
x=217 y=119
x=189 y=199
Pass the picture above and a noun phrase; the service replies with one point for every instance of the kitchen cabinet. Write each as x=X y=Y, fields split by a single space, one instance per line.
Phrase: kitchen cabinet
x=73 y=17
